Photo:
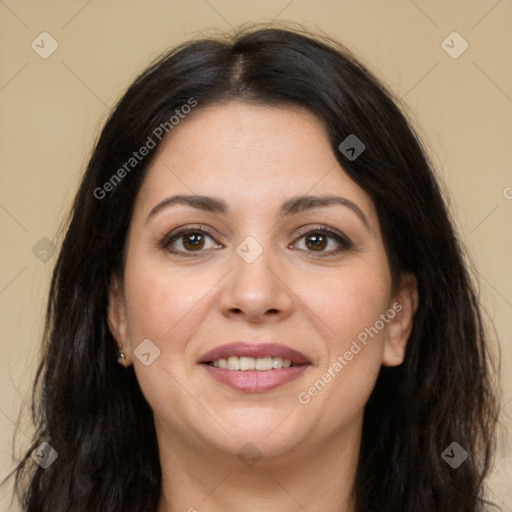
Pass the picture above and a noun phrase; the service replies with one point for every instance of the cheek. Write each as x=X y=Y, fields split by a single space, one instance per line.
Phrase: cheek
x=160 y=299
x=347 y=308
x=160 y=307
x=347 y=301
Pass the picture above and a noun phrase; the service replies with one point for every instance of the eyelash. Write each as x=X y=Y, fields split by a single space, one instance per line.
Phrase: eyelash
x=342 y=240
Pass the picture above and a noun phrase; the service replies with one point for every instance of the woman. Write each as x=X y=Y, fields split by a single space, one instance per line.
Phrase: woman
x=260 y=302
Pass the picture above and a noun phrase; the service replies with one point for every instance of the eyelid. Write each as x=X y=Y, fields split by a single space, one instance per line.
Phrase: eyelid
x=338 y=236
x=322 y=228
x=176 y=233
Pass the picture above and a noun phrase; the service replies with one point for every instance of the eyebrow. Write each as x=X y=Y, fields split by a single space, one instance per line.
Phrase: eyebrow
x=292 y=206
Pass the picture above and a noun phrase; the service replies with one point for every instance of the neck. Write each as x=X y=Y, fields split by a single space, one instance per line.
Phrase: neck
x=311 y=476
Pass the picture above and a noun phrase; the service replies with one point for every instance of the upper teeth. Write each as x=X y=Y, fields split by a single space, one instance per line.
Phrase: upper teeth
x=252 y=363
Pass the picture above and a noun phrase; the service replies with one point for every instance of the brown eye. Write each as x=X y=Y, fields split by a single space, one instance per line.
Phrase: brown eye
x=186 y=241
x=323 y=241
x=316 y=241
x=193 y=241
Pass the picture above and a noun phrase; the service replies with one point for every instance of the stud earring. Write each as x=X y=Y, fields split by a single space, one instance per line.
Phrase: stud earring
x=121 y=358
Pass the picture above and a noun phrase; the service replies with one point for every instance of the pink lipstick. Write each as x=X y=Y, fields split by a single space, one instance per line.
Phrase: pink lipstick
x=254 y=368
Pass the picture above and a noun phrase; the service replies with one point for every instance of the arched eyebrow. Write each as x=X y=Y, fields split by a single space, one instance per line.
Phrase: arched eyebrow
x=291 y=206
x=301 y=203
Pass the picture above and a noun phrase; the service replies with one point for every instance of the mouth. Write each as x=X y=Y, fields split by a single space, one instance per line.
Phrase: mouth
x=244 y=364
x=254 y=368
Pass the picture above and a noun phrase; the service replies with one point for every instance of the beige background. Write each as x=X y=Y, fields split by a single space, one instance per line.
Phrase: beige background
x=52 y=110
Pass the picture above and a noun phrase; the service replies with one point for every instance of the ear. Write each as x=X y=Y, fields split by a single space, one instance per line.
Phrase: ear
x=116 y=316
x=404 y=304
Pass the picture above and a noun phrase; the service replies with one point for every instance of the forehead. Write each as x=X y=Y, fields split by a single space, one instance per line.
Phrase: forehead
x=249 y=155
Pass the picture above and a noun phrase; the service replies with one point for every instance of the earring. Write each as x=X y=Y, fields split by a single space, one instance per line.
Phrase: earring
x=121 y=358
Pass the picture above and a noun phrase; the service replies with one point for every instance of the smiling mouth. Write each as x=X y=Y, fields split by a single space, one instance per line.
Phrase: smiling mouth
x=254 y=367
x=244 y=363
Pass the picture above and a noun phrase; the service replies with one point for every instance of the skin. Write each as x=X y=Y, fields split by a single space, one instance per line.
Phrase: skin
x=255 y=158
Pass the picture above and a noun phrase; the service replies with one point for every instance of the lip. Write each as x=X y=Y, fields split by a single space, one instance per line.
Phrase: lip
x=240 y=348
x=254 y=381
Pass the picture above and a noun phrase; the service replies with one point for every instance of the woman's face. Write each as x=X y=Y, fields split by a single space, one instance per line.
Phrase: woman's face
x=282 y=263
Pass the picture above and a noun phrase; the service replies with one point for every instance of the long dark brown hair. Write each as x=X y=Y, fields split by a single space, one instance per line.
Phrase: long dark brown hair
x=92 y=411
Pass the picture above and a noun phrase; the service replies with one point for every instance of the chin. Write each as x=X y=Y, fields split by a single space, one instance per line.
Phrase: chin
x=267 y=432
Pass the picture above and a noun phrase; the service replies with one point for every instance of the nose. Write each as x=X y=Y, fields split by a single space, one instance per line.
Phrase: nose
x=256 y=292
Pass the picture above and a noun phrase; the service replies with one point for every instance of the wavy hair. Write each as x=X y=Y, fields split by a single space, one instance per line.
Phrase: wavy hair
x=92 y=411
